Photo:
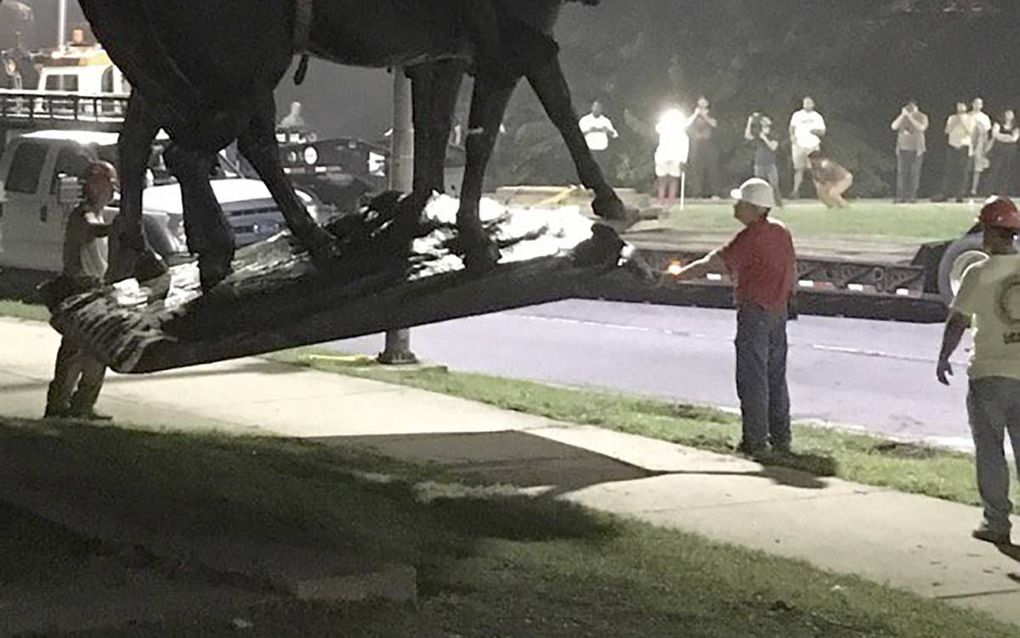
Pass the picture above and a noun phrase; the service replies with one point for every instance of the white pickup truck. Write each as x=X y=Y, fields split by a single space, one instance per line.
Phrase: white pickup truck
x=34 y=207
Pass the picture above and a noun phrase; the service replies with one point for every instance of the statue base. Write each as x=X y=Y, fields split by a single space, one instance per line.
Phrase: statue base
x=277 y=298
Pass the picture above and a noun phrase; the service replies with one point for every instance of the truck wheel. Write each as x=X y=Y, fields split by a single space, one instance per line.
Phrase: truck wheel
x=960 y=255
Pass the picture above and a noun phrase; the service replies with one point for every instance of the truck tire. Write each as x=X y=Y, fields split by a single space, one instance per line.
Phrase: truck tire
x=959 y=256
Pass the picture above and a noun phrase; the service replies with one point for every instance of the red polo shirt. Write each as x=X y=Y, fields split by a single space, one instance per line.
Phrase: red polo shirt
x=762 y=259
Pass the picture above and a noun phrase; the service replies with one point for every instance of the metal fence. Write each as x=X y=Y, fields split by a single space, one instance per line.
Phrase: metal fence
x=52 y=109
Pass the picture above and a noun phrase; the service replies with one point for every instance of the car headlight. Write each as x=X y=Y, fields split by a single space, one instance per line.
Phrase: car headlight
x=311 y=155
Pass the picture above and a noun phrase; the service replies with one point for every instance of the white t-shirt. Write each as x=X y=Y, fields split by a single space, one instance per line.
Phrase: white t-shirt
x=990 y=295
x=597 y=131
x=803 y=124
x=674 y=143
x=960 y=130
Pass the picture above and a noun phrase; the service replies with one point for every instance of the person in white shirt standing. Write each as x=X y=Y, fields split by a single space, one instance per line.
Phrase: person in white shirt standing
x=807 y=127
x=78 y=376
x=981 y=143
x=989 y=301
x=598 y=131
x=671 y=155
x=959 y=136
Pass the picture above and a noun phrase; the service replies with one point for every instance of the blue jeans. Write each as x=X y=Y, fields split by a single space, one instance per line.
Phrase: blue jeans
x=770 y=174
x=761 y=377
x=908 y=174
x=993 y=408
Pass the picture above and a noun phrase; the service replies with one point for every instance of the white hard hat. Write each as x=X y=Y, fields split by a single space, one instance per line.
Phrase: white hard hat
x=755 y=191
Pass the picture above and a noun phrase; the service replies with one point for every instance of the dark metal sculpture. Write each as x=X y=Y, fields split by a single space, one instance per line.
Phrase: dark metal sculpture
x=276 y=298
x=206 y=72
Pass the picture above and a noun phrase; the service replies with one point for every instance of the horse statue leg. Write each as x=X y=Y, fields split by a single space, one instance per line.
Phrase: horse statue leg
x=553 y=91
x=130 y=253
x=259 y=146
x=488 y=105
x=434 y=89
x=209 y=234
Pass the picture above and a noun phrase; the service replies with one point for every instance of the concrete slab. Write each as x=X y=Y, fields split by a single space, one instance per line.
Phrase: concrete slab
x=515 y=458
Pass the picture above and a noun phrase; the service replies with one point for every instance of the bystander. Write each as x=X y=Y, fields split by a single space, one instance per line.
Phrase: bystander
x=807 y=127
x=910 y=127
x=1005 y=135
x=704 y=162
x=759 y=132
x=598 y=132
x=293 y=121
x=980 y=145
x=831 y=180
x=671 y=155
x=959 y=128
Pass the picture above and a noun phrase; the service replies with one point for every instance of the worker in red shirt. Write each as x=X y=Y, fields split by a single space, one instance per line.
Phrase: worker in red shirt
x=762 y=260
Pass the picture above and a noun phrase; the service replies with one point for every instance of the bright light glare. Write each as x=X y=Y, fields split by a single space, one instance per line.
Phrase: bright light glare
x=674 y=268
x=673 y=117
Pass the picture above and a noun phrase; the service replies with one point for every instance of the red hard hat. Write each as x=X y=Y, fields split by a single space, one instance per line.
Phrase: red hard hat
x=1000 y=212
x=98 y=170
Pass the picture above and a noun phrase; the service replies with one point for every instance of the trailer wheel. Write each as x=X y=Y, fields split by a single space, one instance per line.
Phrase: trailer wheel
x=959 y=256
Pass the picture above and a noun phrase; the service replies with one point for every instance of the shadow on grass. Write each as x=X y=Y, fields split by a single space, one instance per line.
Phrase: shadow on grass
x=272 y=491
x=906 y=450
x=817 y=465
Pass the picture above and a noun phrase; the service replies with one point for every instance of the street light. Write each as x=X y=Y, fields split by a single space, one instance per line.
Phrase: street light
x=62 y=24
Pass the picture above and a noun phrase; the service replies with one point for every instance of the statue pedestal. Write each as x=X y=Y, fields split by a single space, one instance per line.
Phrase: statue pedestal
x=277 y=299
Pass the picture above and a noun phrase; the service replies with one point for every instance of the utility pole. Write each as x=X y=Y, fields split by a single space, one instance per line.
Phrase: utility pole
x=398 y=342
x=62 y=25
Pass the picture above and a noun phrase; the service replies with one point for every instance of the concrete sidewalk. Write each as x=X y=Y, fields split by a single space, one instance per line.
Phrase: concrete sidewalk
x=911 y=542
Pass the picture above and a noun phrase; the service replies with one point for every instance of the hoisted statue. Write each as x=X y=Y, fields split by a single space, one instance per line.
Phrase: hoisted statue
x=206 y=73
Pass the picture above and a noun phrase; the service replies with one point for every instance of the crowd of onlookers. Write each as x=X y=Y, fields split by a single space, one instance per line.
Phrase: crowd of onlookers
x=980 y=157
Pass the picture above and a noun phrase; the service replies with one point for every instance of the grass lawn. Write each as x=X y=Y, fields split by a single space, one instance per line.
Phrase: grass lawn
x=822 y=451
x=20 y=310
x=865 y=219
x=490 y=562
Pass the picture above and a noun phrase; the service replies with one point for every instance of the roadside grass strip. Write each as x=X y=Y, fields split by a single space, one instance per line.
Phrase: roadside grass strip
x=21 y=310
x=872 y=220
x=822 y=451
x=490 y=561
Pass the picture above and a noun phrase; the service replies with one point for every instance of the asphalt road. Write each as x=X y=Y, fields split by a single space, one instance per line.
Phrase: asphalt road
x=876 y=375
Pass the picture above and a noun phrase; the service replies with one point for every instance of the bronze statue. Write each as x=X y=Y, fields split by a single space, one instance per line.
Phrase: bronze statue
x=199 y=72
